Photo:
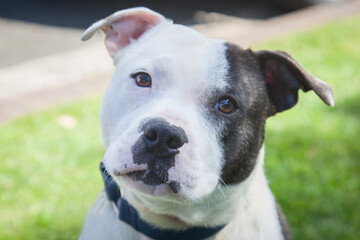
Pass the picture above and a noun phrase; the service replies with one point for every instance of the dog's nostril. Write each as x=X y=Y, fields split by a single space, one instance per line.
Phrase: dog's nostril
x=174 y=143
x=151 y=135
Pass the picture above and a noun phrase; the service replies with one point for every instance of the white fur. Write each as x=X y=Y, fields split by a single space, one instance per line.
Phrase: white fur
x=186 y=69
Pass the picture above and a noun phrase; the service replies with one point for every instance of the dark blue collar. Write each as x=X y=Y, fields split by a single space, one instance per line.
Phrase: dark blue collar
x=129 y=214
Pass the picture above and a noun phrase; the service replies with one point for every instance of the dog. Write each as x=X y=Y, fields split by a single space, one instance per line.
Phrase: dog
x=183 y=123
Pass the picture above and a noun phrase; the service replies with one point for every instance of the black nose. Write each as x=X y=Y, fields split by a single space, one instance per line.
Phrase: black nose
x=162 y=138
x=157 y=147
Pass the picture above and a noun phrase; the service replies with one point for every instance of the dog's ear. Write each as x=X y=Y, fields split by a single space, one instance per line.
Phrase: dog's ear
x=124 y=26
x=284 y=77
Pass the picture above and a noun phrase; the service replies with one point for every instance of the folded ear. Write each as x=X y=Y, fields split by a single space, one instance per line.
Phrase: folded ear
x=284 y=77
x=124 y=26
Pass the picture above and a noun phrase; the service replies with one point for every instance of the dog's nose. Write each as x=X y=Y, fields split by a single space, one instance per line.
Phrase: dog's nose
x=157 y=147
x=162 y=138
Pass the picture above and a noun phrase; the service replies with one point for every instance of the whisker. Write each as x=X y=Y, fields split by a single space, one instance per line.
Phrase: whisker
x=221 y=190
x=208 y=205
x=99 y=151
x=226 y=185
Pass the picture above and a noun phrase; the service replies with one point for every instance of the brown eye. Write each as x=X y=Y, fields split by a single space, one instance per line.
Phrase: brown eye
x=142 y=79
x=226 y=105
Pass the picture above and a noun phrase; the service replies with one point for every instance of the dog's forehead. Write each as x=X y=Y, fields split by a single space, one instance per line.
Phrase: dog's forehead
x=180 y=54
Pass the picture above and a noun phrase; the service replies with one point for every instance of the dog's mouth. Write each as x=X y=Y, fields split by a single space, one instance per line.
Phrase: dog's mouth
x=146 y=176
x=152 y=178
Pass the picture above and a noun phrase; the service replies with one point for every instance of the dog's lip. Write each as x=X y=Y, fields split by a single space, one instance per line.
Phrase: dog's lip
x=125 y=171
x=149 y=177
x=137 y=175
x=156 y=180
x=140 y=172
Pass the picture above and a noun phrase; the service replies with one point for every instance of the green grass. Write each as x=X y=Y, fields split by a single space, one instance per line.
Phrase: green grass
x=49 y=174
x=313 y=153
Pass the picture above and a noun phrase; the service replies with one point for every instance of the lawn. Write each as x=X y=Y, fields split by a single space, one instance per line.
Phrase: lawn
x=313 y=153
x=49 y=160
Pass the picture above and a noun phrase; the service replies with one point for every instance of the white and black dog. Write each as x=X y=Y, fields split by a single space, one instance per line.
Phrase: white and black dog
x=183 y=125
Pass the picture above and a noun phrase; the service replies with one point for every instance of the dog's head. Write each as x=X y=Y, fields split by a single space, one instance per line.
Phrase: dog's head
x=184 y=114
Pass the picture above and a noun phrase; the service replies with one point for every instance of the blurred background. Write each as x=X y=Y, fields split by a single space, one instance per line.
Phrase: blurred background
x=77 y=15
x=51 y=85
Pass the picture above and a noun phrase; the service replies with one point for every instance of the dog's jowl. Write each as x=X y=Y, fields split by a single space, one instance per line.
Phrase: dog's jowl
x=183 y=125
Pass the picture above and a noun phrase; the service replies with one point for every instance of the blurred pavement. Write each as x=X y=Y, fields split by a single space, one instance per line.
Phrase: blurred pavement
x=41 y=65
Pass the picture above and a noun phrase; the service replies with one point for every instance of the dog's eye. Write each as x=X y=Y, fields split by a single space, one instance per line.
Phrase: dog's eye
x=142 y=79
x=226 y=105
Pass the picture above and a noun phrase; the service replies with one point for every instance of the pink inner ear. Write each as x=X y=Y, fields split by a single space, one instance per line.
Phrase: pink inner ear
x=271 y=67
x=121 y=32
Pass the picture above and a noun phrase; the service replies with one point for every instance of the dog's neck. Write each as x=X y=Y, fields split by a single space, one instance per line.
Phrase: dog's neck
x=223 y=205
x=247 y=210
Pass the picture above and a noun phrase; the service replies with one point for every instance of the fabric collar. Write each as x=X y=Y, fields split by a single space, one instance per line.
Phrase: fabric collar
x=129 y=214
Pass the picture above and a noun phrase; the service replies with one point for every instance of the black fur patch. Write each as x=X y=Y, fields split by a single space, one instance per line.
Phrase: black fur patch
x=244 y=129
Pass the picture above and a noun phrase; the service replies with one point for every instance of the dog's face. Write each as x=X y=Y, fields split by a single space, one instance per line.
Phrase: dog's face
x=185 y=114
x=159 y=94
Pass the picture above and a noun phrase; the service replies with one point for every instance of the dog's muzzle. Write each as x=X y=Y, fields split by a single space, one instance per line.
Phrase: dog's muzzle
x=157 y=147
